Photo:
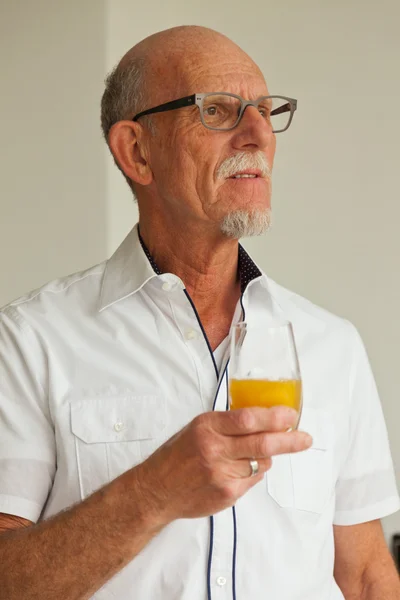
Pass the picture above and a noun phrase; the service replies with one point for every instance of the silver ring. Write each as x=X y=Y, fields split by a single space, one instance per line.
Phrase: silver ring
x=254 y=467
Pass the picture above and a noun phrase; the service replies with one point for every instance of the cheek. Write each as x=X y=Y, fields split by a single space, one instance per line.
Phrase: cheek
x=201 y=166
x=271 y=151
x=205 y=178
x=185 y=159
x=183 y=172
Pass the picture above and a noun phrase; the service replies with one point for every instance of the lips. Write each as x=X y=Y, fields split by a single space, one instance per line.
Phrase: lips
x=246 y=175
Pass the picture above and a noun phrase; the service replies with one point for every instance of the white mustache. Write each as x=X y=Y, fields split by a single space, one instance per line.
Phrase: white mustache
x=243 y=161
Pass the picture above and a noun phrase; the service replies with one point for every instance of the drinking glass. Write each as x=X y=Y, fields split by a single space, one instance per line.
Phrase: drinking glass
x=264 y=368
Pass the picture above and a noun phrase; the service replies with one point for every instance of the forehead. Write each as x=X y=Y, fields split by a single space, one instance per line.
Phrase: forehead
x=245 y=80
x=219 y=68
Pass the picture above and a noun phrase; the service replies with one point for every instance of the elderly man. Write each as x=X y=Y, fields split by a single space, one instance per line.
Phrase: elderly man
x=122 y=474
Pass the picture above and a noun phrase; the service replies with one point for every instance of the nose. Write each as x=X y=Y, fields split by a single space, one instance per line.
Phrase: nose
x=253 y=131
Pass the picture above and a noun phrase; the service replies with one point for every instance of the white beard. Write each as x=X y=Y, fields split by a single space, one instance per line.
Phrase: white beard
x=242 y=223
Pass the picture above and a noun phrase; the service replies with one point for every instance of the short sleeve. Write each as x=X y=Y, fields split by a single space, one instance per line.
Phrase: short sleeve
x=27 y=442
x=366 y=487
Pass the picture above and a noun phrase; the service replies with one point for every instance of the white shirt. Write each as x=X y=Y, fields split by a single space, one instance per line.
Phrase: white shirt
x=99 y=368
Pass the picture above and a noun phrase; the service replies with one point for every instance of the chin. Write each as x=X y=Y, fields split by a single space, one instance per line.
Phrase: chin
x=246 y=223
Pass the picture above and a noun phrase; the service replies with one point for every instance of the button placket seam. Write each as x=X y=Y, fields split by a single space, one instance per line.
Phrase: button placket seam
x=192 y=354
x=107 y=450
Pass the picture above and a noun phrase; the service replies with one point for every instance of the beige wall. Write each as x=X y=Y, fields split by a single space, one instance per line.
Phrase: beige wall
x=53 y=183
x=336 y=202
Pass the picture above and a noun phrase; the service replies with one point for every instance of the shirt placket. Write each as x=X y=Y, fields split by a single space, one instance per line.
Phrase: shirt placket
x=222 y=552
x=193 y=336
x=213 y=389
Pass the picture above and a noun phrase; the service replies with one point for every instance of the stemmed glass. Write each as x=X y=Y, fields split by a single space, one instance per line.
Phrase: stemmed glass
x=264 y=368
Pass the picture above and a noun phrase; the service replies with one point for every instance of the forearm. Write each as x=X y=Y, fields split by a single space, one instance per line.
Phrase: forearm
x=386 y=589
x=73 y=554
x=374 y=584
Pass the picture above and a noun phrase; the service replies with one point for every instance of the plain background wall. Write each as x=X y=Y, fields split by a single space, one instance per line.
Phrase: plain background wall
x=64 y=206
x=335 y=186
x=53 y=180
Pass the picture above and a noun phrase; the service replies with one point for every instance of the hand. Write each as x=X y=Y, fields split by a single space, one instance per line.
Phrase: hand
x=205 y=467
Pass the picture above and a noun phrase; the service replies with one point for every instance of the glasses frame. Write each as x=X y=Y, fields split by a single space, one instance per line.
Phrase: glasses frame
x=198 y=99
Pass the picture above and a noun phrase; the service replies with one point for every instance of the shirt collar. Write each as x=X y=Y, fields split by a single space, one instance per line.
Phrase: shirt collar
x=132 y=266
x=126 y=272
x=248 y=270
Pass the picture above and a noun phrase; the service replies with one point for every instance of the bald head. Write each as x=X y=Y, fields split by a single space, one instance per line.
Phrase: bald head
x=175 y=42
x=177 y=57
x=178 y=44
x=163 y=65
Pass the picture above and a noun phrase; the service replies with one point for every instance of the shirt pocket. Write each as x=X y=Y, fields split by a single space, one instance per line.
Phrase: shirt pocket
x=304 y=480
x=113 y=434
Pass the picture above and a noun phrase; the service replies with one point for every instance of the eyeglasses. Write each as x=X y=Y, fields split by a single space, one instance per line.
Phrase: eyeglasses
x=222 y=111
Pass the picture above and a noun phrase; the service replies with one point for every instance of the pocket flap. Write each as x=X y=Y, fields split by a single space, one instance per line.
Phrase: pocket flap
x=316 y=423
x=122 y=419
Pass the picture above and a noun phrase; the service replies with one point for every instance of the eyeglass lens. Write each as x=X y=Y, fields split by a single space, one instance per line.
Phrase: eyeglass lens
x=223 y=111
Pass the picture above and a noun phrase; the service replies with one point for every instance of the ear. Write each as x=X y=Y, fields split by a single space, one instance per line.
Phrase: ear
x=126 y=139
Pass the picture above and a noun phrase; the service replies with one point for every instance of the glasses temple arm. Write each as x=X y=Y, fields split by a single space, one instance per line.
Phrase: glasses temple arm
x=174 y=104
x=284 y=108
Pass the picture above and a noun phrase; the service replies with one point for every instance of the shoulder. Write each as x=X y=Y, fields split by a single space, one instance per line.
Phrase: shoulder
x=310 y=316
x=73 y=293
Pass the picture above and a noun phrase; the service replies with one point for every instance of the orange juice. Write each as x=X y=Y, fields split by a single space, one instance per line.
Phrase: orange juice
x=265 y=393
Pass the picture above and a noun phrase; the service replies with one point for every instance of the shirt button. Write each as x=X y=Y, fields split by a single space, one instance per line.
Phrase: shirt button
x=221 y=580
x=118 y=426
x=191 y=334
x=167 y=287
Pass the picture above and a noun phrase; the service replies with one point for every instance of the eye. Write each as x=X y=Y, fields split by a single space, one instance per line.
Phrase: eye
x=211 y=110
x=265 y=111
x=220 y=110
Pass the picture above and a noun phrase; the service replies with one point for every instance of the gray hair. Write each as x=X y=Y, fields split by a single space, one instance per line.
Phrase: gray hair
x=124 y=96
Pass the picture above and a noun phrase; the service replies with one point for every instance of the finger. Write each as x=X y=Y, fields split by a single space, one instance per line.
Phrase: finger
x=240 y=469
x=244 y=421
x=261 y=445
x=243 y=468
